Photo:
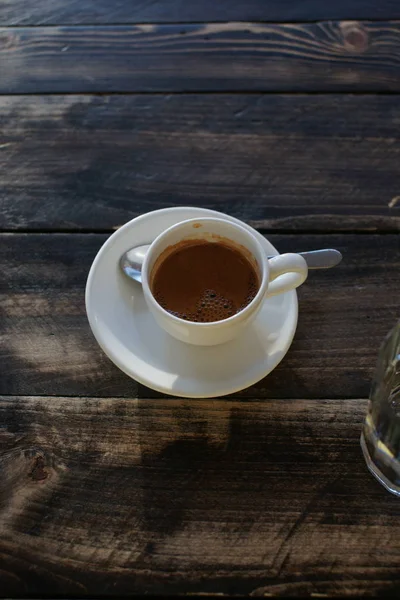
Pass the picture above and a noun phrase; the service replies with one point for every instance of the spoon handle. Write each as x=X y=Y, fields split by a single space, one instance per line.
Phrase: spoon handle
x=322 y=259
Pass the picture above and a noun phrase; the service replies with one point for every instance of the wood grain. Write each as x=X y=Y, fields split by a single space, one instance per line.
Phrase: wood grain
x=46 y=342
x=47 y=347
x=88 y=12
x=323 y=56
x=113 y=496
x=303 y=162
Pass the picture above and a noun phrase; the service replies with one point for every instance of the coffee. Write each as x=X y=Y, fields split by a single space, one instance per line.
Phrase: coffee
x=204 y=281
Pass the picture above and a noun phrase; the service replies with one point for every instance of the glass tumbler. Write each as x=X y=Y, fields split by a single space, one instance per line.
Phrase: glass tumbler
x=380 y=438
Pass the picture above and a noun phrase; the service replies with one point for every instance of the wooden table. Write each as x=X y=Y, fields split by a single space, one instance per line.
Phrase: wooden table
x=284 y=114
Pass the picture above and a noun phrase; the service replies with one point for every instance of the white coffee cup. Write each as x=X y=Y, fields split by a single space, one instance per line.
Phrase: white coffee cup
x=277 y=275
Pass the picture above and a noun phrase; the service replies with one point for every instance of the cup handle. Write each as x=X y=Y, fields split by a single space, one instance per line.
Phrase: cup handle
x=286 y=272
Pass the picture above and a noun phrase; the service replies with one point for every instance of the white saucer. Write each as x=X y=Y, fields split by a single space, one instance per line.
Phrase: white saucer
x=130 y=337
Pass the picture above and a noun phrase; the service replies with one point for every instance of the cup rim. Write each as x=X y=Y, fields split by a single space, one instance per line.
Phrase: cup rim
x=223 y=322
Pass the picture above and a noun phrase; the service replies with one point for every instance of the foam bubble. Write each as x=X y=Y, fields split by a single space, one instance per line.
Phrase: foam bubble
x=211 y=305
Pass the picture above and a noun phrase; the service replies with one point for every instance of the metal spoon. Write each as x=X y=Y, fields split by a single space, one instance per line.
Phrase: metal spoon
x=132 y=260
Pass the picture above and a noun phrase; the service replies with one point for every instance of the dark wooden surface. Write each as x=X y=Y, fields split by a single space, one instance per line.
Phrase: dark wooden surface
x=109 y=109
x=104 y=12
x=283 y=162
x=258 y=497
x=234 y=56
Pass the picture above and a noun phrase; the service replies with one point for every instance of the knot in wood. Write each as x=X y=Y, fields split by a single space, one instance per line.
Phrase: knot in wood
x=355 y=36
x=38 y=472
x=8 y=40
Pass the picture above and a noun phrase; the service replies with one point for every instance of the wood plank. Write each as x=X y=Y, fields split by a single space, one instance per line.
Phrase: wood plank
x=88 y=12
x=113 y=496
x=323 y=56
x=46 y=343
x=303 y=162
x=47 y=347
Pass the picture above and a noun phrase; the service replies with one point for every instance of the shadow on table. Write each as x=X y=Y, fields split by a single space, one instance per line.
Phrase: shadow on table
x=177 y=484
